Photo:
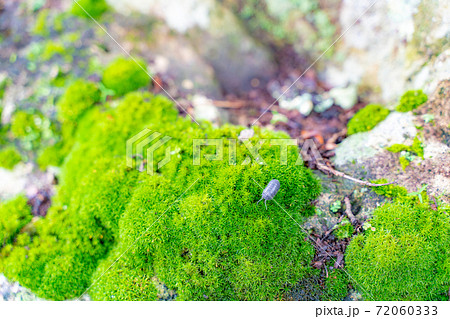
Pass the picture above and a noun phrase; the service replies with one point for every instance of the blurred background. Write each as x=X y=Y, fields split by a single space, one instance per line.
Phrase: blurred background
x=302 y=66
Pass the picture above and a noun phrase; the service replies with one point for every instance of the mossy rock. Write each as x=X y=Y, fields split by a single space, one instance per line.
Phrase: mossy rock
x=405 y=256
x=123 y=76
x=367 y=118
x=197 y=229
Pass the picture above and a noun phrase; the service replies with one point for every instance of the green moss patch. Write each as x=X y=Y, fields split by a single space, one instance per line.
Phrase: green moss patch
x=79 y=97
x=14 y=214
x=197 y=229
x=336 y=286
x=94 y=8
x=408 y=152
x=345 y=230
x=405 y=256
x=41 y=26
x=367 y=118
x=411 y=100
x=9 y=157
x=24 y=123
x=123 y=76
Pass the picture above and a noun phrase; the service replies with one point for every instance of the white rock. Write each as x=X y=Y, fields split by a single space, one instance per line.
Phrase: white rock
x=345 y=97
x=246 y=134
x=397 y=128
x=204 y=109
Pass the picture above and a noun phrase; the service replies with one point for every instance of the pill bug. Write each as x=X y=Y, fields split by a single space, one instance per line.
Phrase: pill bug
x=270 y=191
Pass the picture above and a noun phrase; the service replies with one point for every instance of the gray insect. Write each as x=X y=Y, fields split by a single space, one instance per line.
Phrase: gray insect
x=270 y=191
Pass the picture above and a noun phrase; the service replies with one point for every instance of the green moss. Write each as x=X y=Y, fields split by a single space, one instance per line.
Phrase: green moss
x=3 y=131
x=14 y=214
x=95 y=8
x=345 y=230
x=406 y=257
x=408 y=153
x=336 y=286
x=124 y=76
x=9 y=157
x=41 y=26
x=391 y=191
x=214 y=241
x=4 y=83
x=52 y=155
x=52 y=48
x=417 y=147
x=397 y=148
x=78 y=98
x=58 y=22
x=367 y=118
x=24 y=123
x=411 y=100
x=404 y=162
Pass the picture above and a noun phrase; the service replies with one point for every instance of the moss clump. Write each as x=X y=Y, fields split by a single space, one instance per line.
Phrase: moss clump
x=24 y=123
x=390 y=191
x=9 y=157
x=411 y=100
x=52 y=48
x=52 y=155
x=408 y=153
x=406 y=257
x=336 y=286
x=4 y=83
x=366 y=118
x=95 y=8
x=3 y=130
x=416 y=148
x=78 y=98
x=41 y=25
x=14 y=214
x=196 y=229
x=344 y=231
x=124 y=76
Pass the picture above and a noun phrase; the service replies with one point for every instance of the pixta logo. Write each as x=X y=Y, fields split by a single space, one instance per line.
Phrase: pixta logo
x=148 y=141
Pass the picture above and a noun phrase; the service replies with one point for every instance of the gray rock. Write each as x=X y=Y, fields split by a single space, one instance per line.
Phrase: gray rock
x=397 y=128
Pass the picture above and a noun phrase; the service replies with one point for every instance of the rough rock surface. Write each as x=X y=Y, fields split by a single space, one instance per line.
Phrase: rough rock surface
x=14 y=292
x=410 y=48
x=363 y=155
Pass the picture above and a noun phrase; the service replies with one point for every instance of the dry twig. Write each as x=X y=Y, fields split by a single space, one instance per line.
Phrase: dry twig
x=348 y=211
x=325 y=168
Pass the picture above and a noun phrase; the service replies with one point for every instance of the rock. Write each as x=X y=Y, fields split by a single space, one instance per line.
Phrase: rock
x=397 y=128
x=302 y=103
x=246 y=134
x=345 y=97
x=205 y=43
x=14 y=292
x=363 y=155
x=178 y=15
x=413 y=53
x=204 y=109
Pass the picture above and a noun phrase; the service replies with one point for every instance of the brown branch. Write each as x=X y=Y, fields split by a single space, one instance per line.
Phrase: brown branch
x=231 y=104
x=348 y=211
x=325 y=168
